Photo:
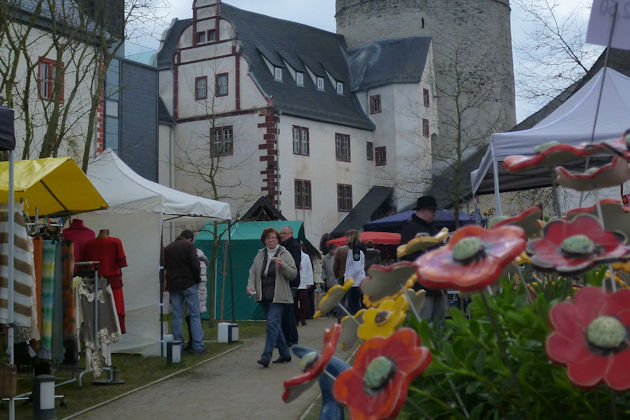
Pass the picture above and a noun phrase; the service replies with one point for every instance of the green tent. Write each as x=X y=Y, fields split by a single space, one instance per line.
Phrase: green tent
x=245 y=243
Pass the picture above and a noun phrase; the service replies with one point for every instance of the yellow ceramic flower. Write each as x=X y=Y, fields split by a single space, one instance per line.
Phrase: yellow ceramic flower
x=384 y=320
x=523 y=259
x=332 y=298
x=618 y=279
x=373 y=304
x=349 y=327
x=421 y=243
x=623 y=266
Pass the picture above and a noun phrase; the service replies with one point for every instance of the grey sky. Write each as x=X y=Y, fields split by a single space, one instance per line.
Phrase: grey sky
x=321 y=14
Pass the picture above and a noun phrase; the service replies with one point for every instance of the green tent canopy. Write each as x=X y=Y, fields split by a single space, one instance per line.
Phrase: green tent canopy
x=245 y=243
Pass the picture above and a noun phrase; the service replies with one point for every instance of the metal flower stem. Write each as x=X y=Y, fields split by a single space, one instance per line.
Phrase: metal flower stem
x=530 y=298
x=343 y=308
x=504 y=354
x=411 y=305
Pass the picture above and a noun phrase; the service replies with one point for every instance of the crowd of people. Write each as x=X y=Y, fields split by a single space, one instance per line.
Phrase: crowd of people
x=286 y=281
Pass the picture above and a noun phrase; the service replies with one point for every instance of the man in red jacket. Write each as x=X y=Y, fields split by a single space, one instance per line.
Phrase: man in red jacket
x=182 y=275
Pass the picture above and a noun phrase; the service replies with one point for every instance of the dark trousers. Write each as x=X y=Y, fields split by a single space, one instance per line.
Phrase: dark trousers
x=289 y=326
x=300 y=305
x=310 y=308
x=354 y=300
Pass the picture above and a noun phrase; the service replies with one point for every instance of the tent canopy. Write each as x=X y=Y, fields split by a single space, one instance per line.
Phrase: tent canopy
x=245 y=244
x=55 y=186
x=570 y=123
x=393 y=223
x=379 y=238
x=135 y=216
x=126 y=191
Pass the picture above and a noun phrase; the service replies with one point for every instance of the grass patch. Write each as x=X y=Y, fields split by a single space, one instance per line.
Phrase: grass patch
x=135 y=370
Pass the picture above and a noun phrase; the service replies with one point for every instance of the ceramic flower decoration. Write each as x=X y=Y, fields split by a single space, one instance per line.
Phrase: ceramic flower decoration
x=575 y=246
x=384 y=320
x=548 y=155
x=332 y=298
x=422 y=243
x=611 y=174
x=618 y=146
x=472 y=259
x=615 y=215
x=416 y=299
x=349 y=328
x=529 y=220
x=312 y=364
x=590 y=337
x=376 y=386
x=384 y=282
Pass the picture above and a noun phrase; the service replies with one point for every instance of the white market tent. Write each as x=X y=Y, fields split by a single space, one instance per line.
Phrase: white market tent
x=135 y=216
x=571 y=123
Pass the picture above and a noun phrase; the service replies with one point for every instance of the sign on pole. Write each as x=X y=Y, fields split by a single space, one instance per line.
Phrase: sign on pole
x=607 y=15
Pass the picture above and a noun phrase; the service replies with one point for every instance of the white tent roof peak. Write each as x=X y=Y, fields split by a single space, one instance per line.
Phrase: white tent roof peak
x=127 y=192
x=571 y=123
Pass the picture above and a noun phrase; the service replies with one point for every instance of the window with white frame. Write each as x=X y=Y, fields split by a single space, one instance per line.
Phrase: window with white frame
x=221 y=84
x=299 y=78
x=340 y=88
x=381 y=156
x=300 y=140
x=302 y=194
x=221 y=141
x=320 y=83
x=46 y=83
x=370 y=150
x=201 y=87
x=277 y=73
x=375 y=104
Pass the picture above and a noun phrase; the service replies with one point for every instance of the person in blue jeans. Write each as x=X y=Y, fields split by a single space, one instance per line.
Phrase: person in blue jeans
x=268 y=280
x=182 y=275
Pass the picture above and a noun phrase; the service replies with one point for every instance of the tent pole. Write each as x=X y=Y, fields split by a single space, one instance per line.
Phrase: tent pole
x=11 y=269
x=231 y=271
x=495 y=169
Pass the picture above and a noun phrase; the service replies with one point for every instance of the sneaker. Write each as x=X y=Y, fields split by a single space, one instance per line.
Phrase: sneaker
x=263 y=362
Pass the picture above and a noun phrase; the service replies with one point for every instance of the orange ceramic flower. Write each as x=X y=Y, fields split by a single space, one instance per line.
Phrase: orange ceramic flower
x=575 y=246
x=472 y=259
x=591 y=337
x=549 y=155
x=376 y=386
x=313 y=365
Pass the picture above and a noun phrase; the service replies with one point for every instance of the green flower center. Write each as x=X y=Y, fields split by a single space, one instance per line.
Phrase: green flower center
x=606 y=333
x=466 y=250
x=308 y=360
x=542 y=147
x=378 y=373
x=579 y=245
x=382 y=317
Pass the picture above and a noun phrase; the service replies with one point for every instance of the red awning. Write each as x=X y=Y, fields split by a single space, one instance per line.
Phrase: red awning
x=379 y=238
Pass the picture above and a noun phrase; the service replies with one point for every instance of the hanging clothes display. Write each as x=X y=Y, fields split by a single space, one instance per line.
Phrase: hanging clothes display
x=24 y=287
x=97 y=351
x=70 y=340
x=79 y=234
x=48 y=299
x=109 y=251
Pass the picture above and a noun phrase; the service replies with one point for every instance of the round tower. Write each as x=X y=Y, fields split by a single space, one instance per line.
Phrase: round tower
x=469 y=38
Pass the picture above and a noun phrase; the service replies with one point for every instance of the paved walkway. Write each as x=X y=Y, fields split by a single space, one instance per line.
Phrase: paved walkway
x=232 y=386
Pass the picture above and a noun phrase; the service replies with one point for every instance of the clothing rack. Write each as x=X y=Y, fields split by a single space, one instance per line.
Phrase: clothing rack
x=112 y=372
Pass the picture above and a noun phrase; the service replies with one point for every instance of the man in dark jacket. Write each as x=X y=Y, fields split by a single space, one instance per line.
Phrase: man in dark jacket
x=291 y=244
x=182 y=275
x=421 y=222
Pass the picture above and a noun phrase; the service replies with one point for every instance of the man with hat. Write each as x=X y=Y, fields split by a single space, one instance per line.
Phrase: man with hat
x=421 y=223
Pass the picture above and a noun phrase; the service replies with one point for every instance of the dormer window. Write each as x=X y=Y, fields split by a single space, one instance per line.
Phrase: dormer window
x=340 y=88
x=320 y=83
x=277 y=74
x=299 y=78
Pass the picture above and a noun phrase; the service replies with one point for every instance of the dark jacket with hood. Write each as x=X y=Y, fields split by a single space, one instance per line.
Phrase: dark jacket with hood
x=182 y=265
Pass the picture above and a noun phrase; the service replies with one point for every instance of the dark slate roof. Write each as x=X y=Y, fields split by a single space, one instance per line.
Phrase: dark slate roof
x=375 y=204
x=318 y=49
x=169 y=46
x=399 y=60
x=164 y=117
x=66 y=10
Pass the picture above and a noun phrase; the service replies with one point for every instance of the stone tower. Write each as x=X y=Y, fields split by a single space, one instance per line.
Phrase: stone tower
x=472 y=50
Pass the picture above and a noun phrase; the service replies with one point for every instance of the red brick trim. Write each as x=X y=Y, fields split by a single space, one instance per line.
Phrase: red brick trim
x=269 y=154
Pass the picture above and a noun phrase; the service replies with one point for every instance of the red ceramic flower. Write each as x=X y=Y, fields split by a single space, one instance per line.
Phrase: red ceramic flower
x=618 y=146
x=551 y=155
x=611 y=174
x=529 y=220
x=615 y=215
x=314 y=365
x=472 y=259
x=575 y=246
x=591 y=338
x=376 y=386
